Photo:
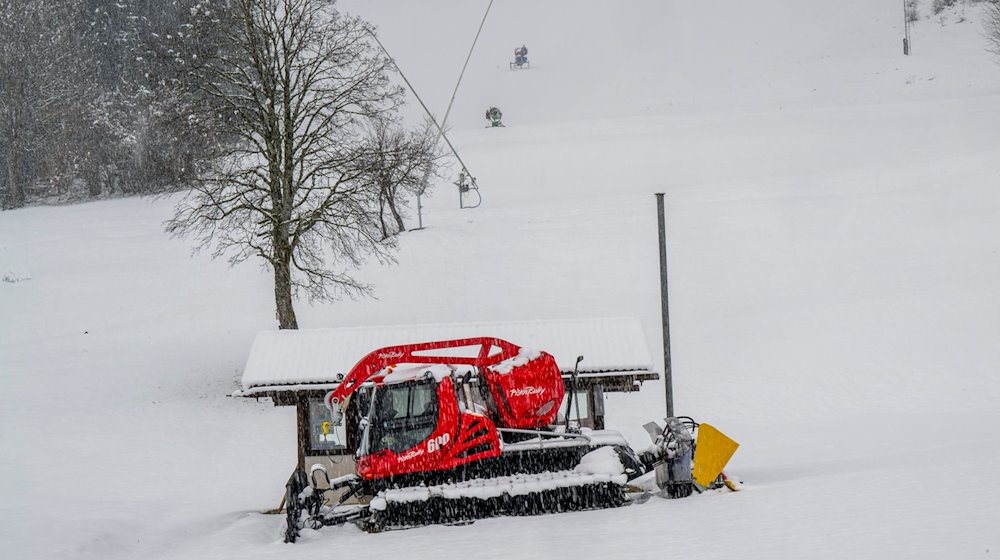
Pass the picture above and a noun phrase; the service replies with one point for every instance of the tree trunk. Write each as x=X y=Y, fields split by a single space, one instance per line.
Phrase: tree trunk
x=15 y=193
x=395 y=214
x=285 y=183
x=283 y=290
x=381 y=218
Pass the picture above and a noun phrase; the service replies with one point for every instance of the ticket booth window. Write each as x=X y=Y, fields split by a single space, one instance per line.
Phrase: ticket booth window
x=324 y=435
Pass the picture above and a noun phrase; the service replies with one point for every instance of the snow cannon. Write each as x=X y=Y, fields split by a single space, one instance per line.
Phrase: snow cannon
x=495 y=116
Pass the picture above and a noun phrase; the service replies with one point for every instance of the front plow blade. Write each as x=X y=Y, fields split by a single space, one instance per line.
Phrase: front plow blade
x=713 y=451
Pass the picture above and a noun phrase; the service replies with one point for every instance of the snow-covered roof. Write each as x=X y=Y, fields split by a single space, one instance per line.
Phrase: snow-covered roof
x=296 y=359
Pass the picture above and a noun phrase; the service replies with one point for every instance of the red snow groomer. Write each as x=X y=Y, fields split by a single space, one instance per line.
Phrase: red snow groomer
x=458 y=430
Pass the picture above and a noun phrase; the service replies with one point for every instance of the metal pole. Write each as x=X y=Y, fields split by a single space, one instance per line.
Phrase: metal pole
x=665 y=307
x=576 y=394
x=906 y=30
x=420 y=213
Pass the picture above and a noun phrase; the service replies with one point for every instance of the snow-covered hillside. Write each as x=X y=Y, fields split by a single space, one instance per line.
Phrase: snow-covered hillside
x=605 y=58
x=834 y=258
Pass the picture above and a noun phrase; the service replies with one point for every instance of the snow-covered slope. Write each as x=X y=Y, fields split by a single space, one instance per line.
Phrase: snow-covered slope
x=834 y=257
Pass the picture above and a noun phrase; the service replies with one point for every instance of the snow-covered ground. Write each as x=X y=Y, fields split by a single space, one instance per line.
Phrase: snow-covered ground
x=834 y=264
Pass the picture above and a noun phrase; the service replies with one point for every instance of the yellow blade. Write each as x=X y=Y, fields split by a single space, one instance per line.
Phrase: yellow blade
x=712 y=451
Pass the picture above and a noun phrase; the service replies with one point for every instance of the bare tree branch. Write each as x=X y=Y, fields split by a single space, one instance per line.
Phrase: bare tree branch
x=991 y=26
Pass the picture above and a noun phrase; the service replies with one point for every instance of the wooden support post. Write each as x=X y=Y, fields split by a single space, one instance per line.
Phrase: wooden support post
x=302 y=428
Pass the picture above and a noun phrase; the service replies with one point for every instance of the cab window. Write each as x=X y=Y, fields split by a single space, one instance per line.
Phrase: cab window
x=402 y=416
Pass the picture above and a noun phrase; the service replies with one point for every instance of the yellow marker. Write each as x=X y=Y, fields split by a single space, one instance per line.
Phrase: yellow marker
x=325 y=426
x=730 y=483
x=712 y=451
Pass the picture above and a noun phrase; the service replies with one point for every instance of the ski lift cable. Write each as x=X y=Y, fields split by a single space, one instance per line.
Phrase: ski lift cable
x=464 y=66
x=424 y=105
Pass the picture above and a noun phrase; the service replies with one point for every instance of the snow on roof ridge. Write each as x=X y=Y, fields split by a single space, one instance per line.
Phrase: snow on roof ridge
x=286 y=357
x=443 y=324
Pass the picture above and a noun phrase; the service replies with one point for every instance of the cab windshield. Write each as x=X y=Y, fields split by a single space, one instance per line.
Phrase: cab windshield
x=401 y=416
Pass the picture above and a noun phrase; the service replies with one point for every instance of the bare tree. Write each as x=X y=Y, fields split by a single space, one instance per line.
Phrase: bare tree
x=404 y=162
x=297 y=85
x=991 y=26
